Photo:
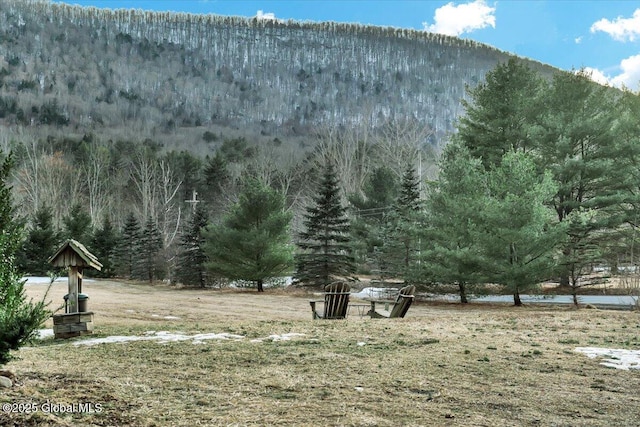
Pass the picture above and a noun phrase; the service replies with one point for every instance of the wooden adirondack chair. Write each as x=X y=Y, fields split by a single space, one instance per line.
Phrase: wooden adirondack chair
x=400 y=305
x=336 y=302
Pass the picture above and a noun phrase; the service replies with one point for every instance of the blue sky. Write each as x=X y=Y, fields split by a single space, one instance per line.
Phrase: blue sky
x=601 y=36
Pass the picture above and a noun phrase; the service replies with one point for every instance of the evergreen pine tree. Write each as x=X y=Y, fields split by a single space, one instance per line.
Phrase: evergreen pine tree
x=582 y=143
x=450 y=255
x=19 y=319
x=514 y=229
x=192 y=258
x=574 y=128
x=103 y=246
x=400 y=242
x=216 y=180
x=501 y=113
x=77 y=224
x=150 y=250
x=370 y=209
x=128 y=247
x=216 y=173
x=252 y=242
x=41 y=242
x=325 y=251
x=409 y=199
x=490 y=226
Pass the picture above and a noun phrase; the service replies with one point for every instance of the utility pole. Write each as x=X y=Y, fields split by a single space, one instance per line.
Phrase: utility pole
x=194 y=200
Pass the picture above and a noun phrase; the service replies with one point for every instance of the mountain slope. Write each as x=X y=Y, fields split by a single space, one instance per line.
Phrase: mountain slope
x=155 y=74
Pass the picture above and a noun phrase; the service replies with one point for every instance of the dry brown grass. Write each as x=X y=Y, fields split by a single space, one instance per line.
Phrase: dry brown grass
x=442 y=365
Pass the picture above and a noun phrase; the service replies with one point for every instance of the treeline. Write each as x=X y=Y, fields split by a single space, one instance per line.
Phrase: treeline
x=133 y=203
x=540 y=182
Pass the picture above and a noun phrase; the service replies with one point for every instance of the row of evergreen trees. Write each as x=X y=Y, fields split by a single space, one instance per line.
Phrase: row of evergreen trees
x=132 y=252
x=253 y=242
x=539 y=183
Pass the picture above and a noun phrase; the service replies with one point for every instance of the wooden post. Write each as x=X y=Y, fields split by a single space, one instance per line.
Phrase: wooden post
x=73 y=289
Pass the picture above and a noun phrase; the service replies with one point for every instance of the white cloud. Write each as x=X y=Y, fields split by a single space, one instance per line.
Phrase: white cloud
x=629 y=76
x=621 y=29
x=269 y=16
x=597 y=76
x=454 y=20
x=578 y=40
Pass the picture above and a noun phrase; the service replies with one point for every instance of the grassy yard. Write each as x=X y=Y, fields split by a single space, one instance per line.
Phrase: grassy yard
x=446 y=364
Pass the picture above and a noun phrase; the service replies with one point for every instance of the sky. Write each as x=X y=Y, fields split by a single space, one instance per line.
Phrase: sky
x=600 y=36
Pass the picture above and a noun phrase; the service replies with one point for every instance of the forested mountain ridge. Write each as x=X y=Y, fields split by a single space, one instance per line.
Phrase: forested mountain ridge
x=140 y=133
x=157 y=75
x=122 y=122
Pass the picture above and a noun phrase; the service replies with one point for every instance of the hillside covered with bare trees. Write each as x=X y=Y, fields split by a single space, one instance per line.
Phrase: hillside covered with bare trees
x=157 y=75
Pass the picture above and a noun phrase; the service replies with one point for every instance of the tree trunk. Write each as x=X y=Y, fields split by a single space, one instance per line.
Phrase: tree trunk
x=463 y=292
x=260 y=288
x=574 y=294
x=516 y=298
x=564 y=273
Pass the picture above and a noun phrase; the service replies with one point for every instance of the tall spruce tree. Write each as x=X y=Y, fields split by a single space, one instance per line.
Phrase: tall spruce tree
x=369 y=213
x=325 y=253
x=103 y=246
x=252 y=243
x=150 y=266
x=401 y=239
x=77 y=224
x=191 y=268
x=128 y=247
x=41 y=242
x=19 y=319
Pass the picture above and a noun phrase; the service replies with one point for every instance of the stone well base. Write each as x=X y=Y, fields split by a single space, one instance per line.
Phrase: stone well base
x=70 y=325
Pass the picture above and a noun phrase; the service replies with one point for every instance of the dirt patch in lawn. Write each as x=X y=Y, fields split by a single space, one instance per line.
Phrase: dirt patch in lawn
x=444 y=364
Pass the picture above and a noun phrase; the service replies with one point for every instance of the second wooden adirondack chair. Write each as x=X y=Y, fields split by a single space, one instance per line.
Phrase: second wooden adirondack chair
x=400 y=305
x=336 y=302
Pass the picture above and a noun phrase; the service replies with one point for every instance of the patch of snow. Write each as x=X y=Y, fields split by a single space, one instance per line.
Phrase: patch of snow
x=376 y=293
x=166 y=317
x=161 y=337
x=360 y=344
x=276 y=282
x=41 y=280
x=614 y=358
x=199 y=338
x=281 y=337
x=45 y=333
